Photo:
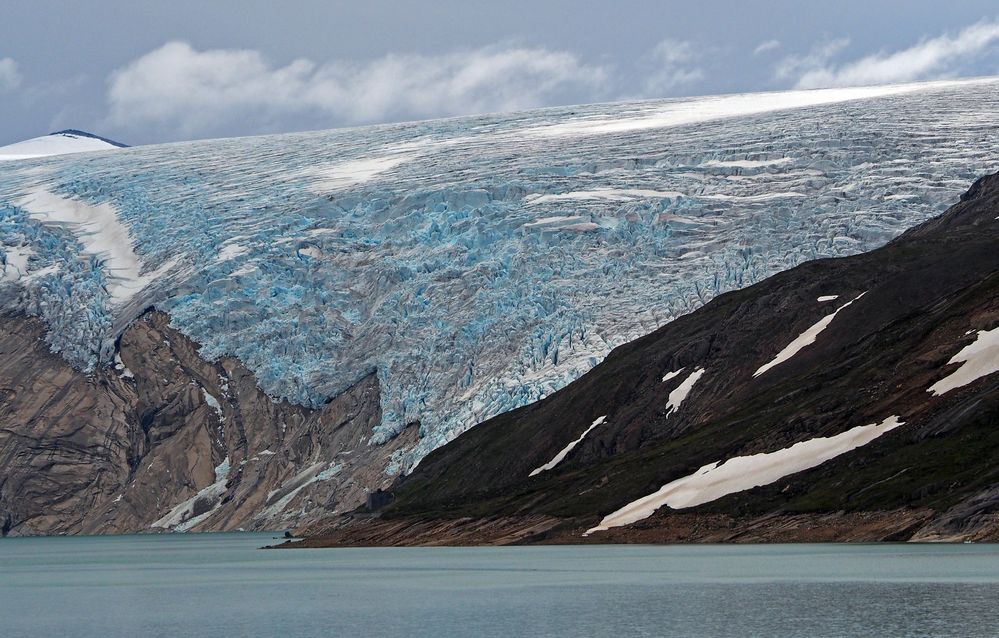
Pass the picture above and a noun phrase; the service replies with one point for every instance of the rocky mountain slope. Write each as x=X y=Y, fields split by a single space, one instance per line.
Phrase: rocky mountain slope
x=844 y=399
x=165 y=440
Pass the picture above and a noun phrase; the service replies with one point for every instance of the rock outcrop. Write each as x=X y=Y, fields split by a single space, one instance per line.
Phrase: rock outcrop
x=168 y=440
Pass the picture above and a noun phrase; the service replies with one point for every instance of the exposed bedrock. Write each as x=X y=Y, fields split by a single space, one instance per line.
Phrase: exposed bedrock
x=167 y=440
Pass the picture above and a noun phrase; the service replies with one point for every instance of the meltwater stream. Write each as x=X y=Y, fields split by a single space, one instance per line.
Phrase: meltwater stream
x=221 y=584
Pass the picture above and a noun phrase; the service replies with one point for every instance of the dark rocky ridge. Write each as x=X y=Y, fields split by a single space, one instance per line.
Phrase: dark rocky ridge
x=934 y=478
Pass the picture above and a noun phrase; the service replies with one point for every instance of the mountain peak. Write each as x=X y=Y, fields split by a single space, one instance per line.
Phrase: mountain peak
x=72 y=132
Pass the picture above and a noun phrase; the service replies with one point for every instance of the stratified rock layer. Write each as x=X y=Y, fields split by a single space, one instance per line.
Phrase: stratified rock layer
x=169 y=441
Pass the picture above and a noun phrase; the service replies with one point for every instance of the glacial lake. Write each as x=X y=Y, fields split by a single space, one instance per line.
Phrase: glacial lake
x=222 y=585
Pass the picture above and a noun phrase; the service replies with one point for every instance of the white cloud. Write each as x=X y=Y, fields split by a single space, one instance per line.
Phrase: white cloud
x=674 y=62
x=934 y=58
x=196 y=92
x=765 y=47
x=10 y=77
x=818 y=57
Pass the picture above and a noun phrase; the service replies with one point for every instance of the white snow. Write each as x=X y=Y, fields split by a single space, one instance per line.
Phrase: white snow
x=353 y=172
x=762 y=197
x=313 y=252
x=978 y=359
x=231 y=251
x=746 y=163
x=825 y=298
x=101 y=234
x=707 y=109
x=305 y=478
x=681 y=391
x=55 y=144
x=806 y=338
x=565 y=451
x=180 y=518
x=670 y=375
x=741 y=473
x=214 y=403
x=17 y=262
x=120 y=366
x=607 y=194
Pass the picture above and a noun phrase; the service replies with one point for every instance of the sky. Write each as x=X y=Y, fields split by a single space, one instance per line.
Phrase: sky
x=151 y=71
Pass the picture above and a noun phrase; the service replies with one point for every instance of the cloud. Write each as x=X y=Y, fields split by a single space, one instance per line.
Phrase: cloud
x=818 y=57
x=765 y=47
x=191 y=92
x=674 y=62
x=934 y=58
x=10 y=77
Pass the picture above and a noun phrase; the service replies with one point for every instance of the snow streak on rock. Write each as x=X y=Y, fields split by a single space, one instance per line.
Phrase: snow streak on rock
x=558 y=458
x=806 y=338
x=977 y=360
x=740 y=473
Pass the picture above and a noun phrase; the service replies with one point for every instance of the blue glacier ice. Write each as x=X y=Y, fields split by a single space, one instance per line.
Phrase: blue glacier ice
x=475 y=264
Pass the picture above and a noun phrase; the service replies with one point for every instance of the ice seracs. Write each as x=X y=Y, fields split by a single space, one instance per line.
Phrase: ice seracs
x=977 y=360
x=741 y=473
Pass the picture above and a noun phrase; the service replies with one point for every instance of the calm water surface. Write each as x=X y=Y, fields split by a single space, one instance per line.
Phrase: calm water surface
x=221 y=585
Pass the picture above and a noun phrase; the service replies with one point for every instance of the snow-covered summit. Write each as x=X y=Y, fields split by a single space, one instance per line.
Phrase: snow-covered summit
x=475 y=264
x=58 y=143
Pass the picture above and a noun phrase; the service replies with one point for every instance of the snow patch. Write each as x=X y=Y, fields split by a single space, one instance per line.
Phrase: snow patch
x=214 y=403
x=806 y=338
x=677 y=396
x=746 y=163
x=741 y=473
x=122 y=369
x=671 y=375
x=692 y=111
x=604 y=194
x=16 y=258
x=55 y=144
x=558 y=458
x=353 y=172
x=231 y=251
x=977 y=360
x=101 y=234
x=182 y=518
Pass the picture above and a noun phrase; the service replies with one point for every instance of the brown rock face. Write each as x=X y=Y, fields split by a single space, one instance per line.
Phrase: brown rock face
x=168 y=440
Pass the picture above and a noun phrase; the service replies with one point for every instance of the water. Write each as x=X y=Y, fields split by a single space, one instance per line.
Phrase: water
x=220 y=584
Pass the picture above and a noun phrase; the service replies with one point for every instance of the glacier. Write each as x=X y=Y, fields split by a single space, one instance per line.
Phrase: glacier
x=476 y=264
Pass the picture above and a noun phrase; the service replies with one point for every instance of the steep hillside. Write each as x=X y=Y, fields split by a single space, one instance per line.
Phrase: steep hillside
x=853 y=398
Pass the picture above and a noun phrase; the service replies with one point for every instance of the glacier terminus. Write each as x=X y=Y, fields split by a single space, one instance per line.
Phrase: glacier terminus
x=474 y=264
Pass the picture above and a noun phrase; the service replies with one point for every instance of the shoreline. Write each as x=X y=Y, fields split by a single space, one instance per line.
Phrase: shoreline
x=908 y=525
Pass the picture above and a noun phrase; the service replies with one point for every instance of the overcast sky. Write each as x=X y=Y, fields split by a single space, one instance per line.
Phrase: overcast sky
x=144 y=72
